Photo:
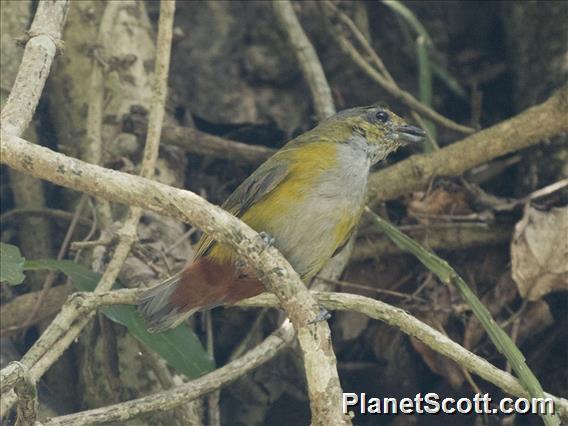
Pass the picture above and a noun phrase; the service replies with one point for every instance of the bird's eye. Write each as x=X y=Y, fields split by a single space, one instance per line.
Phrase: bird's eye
x=382 y=116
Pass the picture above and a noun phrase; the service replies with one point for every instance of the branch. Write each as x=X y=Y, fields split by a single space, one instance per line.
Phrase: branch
x=17 y=311
x=525 y=129
x=10 y=375
x=198 y=142
x=191 y=390
x=270 y=266
x=27 y=406
x=41 y=47
x=384 y=81
x=376 y=309
x=450 y=236
x=44 y=349
x=411 y=326
x=307 y=58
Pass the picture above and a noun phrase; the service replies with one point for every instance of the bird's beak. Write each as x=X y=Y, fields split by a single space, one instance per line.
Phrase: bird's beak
x=410 y=134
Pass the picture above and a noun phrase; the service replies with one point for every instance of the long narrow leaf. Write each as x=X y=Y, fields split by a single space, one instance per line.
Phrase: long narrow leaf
x=180 y=347
x=449 y=276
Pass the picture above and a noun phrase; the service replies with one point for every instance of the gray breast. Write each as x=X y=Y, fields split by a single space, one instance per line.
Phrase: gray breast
x=310 y=235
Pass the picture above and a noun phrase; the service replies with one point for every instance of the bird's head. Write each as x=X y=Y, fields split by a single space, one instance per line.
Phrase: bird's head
x=378 y=129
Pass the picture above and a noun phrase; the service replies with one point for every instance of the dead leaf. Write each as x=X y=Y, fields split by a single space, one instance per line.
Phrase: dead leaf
x=440 y=202
x=539 y=252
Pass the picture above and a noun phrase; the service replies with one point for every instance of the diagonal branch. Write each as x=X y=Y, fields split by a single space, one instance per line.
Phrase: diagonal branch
x=384 y=80
x=274 y=270
x=174 y=397
x=525 y=129
x=376 y=309
x=307 y=58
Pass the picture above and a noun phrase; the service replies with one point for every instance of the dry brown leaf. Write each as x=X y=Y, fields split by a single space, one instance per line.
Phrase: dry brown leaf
x=440 y=202
x=539 y=252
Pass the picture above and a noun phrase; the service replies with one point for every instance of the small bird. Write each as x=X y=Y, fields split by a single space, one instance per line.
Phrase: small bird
x=308 y=197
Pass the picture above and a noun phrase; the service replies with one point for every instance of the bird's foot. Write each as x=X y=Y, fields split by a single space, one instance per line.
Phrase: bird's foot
x=323 y=315
x=267 y=239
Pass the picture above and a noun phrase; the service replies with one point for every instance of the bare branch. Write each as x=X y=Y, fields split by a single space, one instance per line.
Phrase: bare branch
x=383 y=80
x=307 y=59
x=275 y=272
x=405 y=322
x=172 y=398
x=41 y=47
x=449 y=236
x=27 y=405
x=525 y=129
x=195 y=141
x=10 y=375
x=376 y=309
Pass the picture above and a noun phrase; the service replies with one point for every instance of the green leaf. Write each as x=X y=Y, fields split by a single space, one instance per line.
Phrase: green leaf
x=11 y=264
x=449 y=276
x=179 y=346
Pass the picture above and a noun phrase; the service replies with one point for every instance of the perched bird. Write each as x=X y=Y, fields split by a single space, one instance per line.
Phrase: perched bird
x=308 y=197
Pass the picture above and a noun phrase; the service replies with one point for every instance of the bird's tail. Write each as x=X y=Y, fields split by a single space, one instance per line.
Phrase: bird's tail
x=202 y=285
x=156 y=306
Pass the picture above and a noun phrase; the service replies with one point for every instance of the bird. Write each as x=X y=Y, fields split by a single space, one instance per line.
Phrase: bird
x=307 y=199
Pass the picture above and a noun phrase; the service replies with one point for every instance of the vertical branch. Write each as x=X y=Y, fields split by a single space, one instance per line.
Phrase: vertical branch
x=324 y=388
x=34 y=236
x=69 y=323
x=27 y=401
x=155 y=121
x=94 y=124
x=307 y=59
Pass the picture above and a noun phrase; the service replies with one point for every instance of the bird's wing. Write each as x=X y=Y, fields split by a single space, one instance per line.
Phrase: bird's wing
x=263 y=181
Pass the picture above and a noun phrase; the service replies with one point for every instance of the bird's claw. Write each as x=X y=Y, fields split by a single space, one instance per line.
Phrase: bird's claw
x=267 y=239
x=323 y=315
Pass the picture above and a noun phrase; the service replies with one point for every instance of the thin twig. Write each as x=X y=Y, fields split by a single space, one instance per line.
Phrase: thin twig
x=15 y=312
x=451 y=236
x=307 y=58
x=376 y=309
x=169 y=399
x=547 y=190
x=60 y=255
x=525 y=129
x=388 y=85
x=16 y=214
x=45 y=347
x=385 y=291
x=213 y=413
x=374 y=57
x=94 y=124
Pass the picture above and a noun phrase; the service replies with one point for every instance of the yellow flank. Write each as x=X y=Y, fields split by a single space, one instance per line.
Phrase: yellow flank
x=306 y=164
x=346 y=224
